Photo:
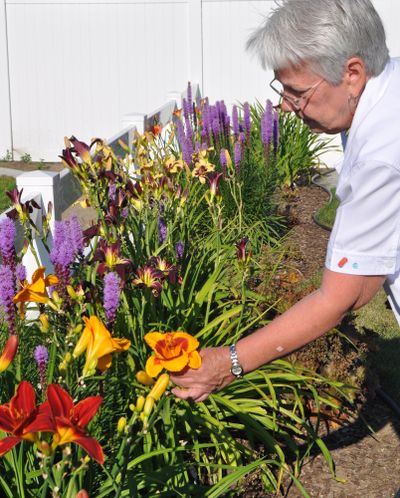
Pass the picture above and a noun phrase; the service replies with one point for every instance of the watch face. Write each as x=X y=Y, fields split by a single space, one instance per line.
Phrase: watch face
x=237 y=370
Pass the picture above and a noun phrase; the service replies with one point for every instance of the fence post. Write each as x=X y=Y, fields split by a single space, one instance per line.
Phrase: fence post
x=5 y=102
x=43 y=186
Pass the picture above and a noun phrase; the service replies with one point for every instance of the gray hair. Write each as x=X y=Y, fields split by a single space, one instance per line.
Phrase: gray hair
x=324 y=34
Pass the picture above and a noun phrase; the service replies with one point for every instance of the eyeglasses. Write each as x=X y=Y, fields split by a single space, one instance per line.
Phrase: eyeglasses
x=298 y=102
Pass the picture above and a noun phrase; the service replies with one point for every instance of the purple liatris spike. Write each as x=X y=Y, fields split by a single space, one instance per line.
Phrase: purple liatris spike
x=7 y=240
x=222 y=158
x=275 y=132
x=189 y=131
x=267 y=124
x=215 y=127
x=180 y=133
x=189 y=94
x=112 y=190
x=237 y=154
x=41 y=356
x=246 y=118
x=75 y=234
x=20 y=274
x=7 y=292
x=125 y=212
x=111 y=297
x=186 y=108
x=180 y=250
x=162 y=230
x=235 y=120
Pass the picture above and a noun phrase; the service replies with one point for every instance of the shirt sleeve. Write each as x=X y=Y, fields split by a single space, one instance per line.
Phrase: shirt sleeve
x=365 y=236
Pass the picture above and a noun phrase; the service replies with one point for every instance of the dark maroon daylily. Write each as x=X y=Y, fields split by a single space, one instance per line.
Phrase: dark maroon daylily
x=111 y=260
x=80 y=148
x=243 y=257
x=214 y=179
x=68 y=159
x=149 y=277
x=20 y=209
x=169 y=270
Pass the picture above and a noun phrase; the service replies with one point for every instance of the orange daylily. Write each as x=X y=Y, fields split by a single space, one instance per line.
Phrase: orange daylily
x=173 y=351
x=98 y=343
x=36 y=291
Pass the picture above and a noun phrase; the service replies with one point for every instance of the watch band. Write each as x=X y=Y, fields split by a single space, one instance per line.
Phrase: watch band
x=236 y=368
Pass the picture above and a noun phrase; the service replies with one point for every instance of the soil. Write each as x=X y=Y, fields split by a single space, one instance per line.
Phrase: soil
x=32 y=165
x=367 y=464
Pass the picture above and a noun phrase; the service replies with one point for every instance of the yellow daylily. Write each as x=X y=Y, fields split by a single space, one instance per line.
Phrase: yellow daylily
x=35 y=292
x=99 y=345
x=173 y=351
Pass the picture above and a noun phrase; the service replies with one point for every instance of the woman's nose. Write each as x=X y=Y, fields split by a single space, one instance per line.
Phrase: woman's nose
x=285 y=106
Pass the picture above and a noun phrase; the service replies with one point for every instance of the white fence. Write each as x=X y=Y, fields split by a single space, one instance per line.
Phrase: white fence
x=79 y=66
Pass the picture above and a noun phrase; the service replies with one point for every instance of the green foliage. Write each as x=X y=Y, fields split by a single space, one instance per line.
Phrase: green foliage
x=326 y=215
x=7 y=156
x=148 y=203
x=26 y=158
x=299 y=149
x=6 y=183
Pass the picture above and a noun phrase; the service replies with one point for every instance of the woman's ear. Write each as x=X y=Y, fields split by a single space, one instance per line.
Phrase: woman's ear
x=355 y=75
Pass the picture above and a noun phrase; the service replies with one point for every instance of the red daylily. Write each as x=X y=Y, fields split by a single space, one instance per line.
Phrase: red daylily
x=68 y=421
x=17 y=415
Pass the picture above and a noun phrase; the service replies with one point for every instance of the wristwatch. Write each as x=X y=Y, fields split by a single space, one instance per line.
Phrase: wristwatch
x=236 y=369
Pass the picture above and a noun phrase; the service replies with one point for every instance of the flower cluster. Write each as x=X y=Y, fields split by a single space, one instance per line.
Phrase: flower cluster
x=58 y=415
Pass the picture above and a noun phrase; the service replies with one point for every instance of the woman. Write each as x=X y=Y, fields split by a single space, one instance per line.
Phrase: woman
x=333 y=70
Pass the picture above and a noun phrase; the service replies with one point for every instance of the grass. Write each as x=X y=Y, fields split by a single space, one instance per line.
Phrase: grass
x=6 y=183
x=376 y=319
x=326 y=215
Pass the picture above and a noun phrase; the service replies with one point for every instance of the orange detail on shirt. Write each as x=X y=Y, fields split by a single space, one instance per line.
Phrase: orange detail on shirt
x=342 y=262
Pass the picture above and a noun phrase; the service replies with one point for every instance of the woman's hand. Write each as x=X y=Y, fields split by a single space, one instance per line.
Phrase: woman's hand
x=213 y=374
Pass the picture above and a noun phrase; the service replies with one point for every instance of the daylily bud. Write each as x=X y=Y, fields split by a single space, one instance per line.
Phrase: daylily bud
x=56 y=298
x=160 y=386
x=44 y=320
x=71 y=292
x=78 y=328
x=62 y=368
x=9 y=351
x=144 y=379
x=85 y=203
x=67 y=358
x=82 y=494
x=132 y=407
x=140 y=403
x=148 y=406
x=44 y=447
x=121 y=425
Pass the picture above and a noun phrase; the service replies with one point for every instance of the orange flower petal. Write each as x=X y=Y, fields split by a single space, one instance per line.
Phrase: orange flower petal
x=152 y=338
x=153 y=366
x=176 y=364
x=194 y=359
x=104 y=362
x=193 y=343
